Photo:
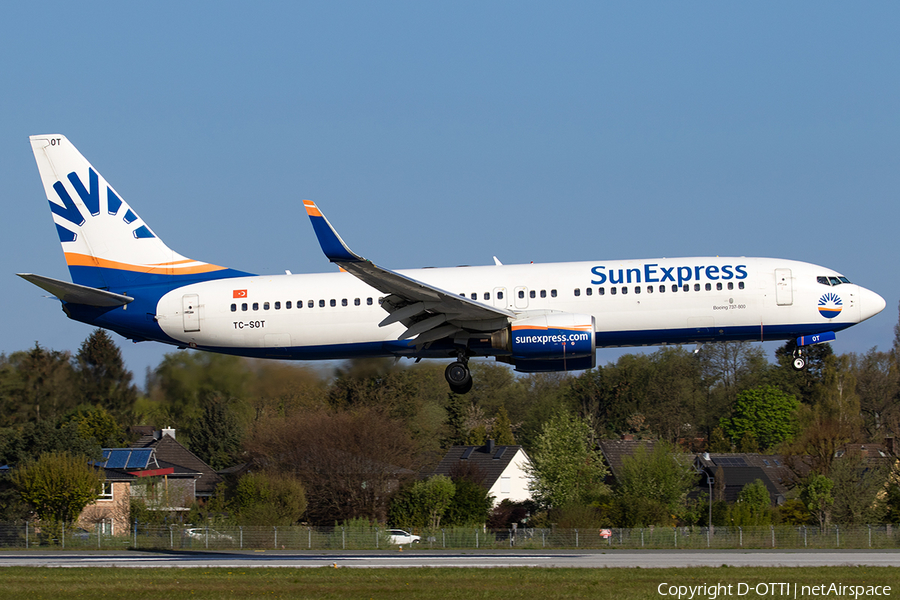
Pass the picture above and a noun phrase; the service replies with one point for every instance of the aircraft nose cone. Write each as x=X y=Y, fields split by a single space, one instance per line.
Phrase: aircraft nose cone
x=870 y=304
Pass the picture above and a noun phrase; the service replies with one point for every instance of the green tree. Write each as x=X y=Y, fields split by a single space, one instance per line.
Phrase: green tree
x=423 y=504
x=765 y=411
x=58 y=485
x=102 y=377
x=566 y=466
x=502 y=429
x=96 y=423
x=269 y=499
x=857 y=490
x=816 y=495
x=753 y=506
x=217 y=433
x=652 y=485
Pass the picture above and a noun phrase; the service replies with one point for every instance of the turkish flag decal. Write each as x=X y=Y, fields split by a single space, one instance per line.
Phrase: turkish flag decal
x=240 y=293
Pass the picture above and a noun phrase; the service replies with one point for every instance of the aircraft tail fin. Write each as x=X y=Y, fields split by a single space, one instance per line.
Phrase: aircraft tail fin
x=105 y=243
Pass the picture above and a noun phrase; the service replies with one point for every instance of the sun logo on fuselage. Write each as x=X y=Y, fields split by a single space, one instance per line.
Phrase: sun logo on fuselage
x=830 y=305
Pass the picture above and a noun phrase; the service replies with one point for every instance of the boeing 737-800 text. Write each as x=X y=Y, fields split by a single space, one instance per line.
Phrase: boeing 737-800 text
x=536 y=317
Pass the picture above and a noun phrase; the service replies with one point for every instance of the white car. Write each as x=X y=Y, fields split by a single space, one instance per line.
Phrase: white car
x=400 y=537
x=201 y=533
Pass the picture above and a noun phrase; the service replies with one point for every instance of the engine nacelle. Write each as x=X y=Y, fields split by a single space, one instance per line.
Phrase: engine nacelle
x=549 y=342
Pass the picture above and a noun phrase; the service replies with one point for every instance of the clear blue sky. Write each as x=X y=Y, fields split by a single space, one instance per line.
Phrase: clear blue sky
x=437 y=134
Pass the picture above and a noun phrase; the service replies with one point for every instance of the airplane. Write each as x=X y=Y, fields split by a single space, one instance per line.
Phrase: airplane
x=535 y=317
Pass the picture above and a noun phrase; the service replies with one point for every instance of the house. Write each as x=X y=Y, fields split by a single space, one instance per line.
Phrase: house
x=158 y=470
x=615 y=451
x=185 y=462
x=732 y=471
x=729 y=472
x=502 y=469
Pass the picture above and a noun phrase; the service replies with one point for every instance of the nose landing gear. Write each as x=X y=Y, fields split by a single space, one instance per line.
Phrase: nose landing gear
x=799 y=362
x=458 y=376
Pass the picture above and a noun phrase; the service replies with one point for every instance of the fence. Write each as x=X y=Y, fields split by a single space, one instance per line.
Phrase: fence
x=27 y=535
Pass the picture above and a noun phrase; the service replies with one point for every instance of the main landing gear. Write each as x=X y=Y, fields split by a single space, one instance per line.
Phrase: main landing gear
x=458 y=375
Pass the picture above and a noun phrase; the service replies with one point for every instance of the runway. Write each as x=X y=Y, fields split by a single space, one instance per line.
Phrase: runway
x=387 y=559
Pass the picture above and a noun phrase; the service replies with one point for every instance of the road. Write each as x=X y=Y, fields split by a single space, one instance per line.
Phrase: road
x=388 y=559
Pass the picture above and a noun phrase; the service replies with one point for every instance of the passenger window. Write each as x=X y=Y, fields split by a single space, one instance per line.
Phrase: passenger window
x=356 y=302
x=741 y=285
x=265 y=306
x=234 y=308
x=288 y=305
x=521 y=293
x=708 y=287
x=369 y=301
x=612 y=291
x=321 y=304
x=719 y=286
x=244 y=306
x=730 y=285
x=577 y=292
x=649 y=289
x=637 y=289
x=553 y=293
x=662 y=289
x=278 y=306
x=312 y=303
x=487 y=295
x=588 y=291
x=256 y=306
x=687 y=287
x=333 y=303
x=532 y=294
x=674 y=287
x=624 y=289
x=499 y=295
x=543 y=293
x=696 y=287
x=601 y=291
x=474 y=296
x=343 y=302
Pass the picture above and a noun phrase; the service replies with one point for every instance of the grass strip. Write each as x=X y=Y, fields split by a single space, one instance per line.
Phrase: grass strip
x=425 y=583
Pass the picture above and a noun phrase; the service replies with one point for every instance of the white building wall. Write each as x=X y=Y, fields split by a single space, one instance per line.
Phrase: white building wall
x=513 y=482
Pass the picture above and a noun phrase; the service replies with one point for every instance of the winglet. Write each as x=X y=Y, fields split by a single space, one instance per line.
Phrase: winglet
x=332 y=245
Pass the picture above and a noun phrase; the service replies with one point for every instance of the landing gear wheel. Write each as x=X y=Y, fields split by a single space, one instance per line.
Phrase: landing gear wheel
x=458 y=376
x=462 y=389
x=799 y=363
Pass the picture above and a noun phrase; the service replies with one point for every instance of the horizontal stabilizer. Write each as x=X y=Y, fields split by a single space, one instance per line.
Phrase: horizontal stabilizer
x=76 y=294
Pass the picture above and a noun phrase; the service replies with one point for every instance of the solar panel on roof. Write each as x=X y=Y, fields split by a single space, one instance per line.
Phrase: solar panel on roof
x=139 y=458
x=118 y=458
x=499 y=452
x=730 y=461
x=467 y=453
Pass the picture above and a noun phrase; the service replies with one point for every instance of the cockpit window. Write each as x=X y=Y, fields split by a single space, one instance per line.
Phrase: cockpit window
x=831 y=280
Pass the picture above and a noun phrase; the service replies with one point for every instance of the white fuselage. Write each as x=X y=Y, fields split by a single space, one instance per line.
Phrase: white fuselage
x=634 y=302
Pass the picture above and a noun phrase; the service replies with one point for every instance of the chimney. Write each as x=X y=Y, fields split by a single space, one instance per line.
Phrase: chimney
x=489 y=447
x=169 y=431
x=627 y=437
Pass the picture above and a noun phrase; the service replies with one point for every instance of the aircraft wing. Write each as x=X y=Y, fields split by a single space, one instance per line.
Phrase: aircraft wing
x=429 y=313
